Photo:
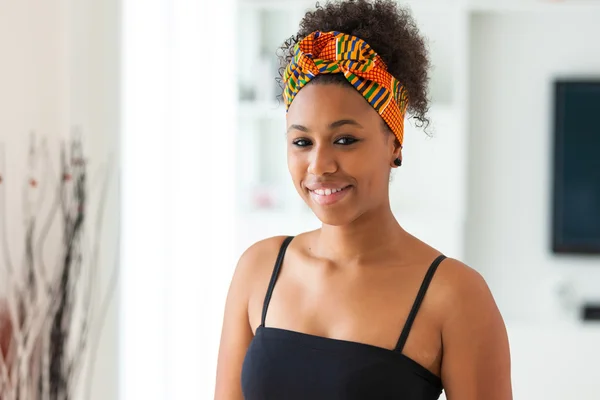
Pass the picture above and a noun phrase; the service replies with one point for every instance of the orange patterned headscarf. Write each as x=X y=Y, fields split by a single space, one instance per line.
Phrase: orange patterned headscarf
x=335 y=52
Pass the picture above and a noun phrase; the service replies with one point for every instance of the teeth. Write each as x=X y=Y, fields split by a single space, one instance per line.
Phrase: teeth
x=326 y=192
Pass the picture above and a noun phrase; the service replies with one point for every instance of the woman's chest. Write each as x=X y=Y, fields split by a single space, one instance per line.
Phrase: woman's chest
x=364 y=308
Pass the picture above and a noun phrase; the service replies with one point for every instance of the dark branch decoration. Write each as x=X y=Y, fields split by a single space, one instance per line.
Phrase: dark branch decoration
x=52 y=314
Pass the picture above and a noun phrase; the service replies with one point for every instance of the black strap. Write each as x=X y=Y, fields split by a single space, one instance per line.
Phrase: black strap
x=274 y=276
x=417 y=303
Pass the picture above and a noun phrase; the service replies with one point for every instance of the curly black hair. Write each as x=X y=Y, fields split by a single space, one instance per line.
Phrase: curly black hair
x=388 y=28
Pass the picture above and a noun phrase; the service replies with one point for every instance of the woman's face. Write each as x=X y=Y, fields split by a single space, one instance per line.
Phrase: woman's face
x=339 y=152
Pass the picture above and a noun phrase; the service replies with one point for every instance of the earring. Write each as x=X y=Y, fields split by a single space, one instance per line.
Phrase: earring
x=397 y=162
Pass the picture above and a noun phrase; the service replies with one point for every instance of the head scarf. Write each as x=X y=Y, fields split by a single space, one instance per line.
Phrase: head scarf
x=335 y=52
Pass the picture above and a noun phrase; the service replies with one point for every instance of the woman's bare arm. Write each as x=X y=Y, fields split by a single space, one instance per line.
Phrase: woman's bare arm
x=251 y=274
x=236 y=334
x=476 y=356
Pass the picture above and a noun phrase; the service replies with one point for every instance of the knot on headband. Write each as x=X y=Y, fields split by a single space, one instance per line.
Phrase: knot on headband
x=335 y=52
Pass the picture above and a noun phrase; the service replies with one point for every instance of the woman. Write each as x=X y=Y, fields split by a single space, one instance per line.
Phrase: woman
x=360 y=308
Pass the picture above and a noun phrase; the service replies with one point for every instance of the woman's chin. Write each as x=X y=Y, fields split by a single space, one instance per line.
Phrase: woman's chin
x=334 y=217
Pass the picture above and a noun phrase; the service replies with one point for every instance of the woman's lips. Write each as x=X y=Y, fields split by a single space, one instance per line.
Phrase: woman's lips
x=329 y=196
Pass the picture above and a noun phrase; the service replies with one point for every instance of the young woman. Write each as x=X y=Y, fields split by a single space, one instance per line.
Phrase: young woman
x=360 y=308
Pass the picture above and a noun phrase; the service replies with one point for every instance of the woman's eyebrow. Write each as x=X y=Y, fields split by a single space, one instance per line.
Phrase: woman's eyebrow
x=296 y=127
x=343 y=122
x=333 y=125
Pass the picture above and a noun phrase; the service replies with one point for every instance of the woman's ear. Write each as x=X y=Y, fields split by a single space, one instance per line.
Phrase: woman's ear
x=396 y=160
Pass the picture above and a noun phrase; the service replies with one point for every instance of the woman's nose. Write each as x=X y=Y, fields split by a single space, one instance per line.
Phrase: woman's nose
x=322 y=161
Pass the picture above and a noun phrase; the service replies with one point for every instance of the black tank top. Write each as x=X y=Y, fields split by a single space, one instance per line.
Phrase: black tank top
x=286 y=365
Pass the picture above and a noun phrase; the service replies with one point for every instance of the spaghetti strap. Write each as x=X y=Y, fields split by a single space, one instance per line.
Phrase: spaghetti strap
x=274 y=276
x=417 y=303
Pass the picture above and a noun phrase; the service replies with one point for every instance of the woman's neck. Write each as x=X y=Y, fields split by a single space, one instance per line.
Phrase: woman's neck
x=365 y=240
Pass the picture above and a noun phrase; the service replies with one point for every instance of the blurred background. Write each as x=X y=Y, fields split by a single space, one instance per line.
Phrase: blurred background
x=183 y=93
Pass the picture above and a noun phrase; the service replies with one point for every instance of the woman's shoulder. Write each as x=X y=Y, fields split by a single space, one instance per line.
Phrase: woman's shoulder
x=455 y=280
x=265 y=251
x=259 y=257
x=264 y=248
x=473 y=333
x=462 y=295
x=254 y=267
x=258 y=260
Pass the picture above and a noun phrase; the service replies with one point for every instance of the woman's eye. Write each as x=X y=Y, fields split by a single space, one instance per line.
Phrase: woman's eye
x=301 y=142
x=346 y=140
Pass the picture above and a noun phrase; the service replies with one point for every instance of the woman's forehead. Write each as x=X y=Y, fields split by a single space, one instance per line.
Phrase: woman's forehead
x=324 y=104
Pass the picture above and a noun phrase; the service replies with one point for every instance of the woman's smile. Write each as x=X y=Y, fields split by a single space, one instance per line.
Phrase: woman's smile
x=329 y=196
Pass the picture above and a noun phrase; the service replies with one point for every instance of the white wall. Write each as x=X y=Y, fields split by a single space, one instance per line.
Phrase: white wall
x=95 y=105
x=143 y=328
x=60 y=69
x=34 y=73
x=178 y=194
x=514 y=58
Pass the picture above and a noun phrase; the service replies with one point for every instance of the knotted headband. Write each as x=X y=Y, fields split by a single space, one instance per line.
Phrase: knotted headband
x=335 y=52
